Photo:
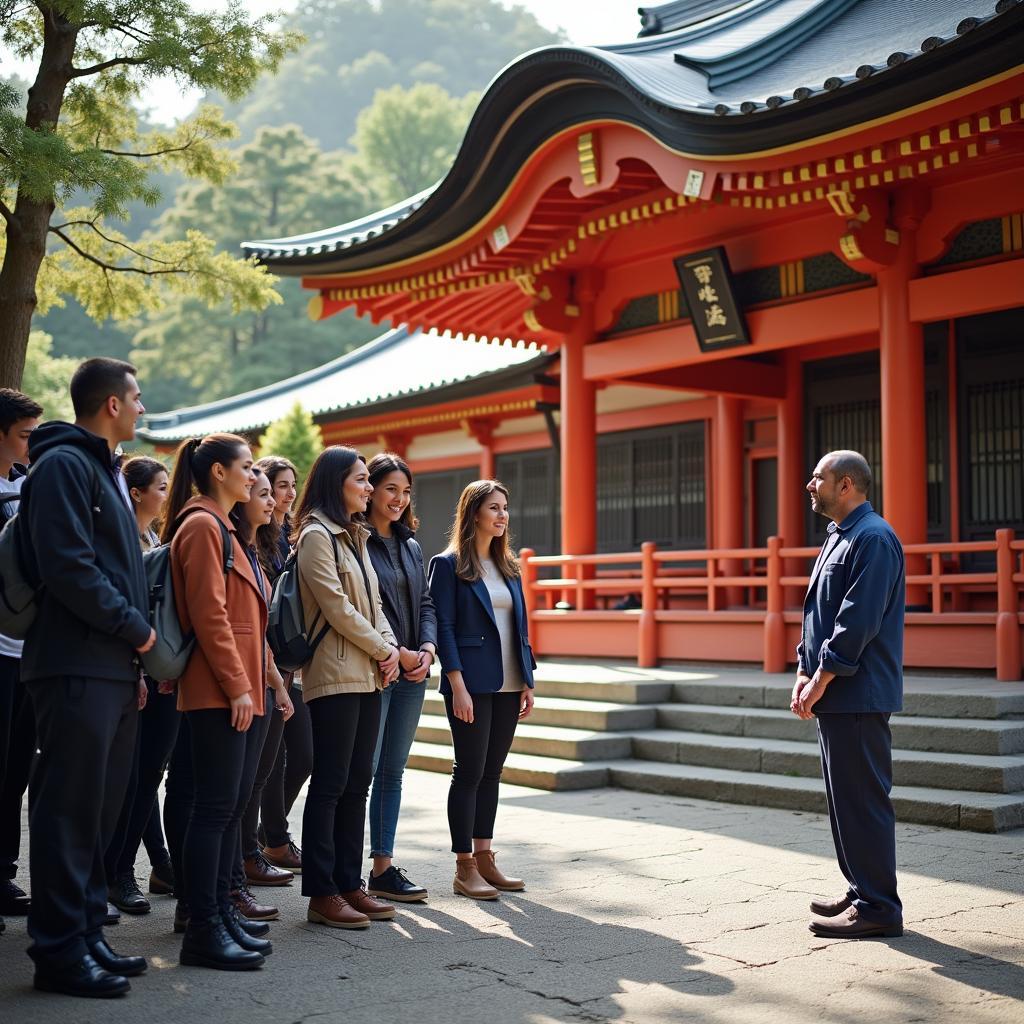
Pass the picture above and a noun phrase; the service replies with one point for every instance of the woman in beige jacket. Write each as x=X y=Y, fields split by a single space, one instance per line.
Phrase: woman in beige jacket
x=341 y=684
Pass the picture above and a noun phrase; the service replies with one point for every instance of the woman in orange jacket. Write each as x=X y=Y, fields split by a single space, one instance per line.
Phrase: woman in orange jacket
x=221 y=595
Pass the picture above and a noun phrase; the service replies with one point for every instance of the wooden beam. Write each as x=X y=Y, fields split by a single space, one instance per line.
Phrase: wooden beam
x=735 y=377
x=956 y=293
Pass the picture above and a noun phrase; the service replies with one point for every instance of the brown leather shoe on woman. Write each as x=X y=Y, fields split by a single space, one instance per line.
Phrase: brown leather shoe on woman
x=259 y=871
x=335 y=912
x=250 y=909
x=490 y=873
x=365 y=904
x=288 y=857
x=468 y=881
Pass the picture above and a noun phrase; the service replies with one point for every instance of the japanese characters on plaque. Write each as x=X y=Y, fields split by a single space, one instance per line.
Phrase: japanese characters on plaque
x=707 y=285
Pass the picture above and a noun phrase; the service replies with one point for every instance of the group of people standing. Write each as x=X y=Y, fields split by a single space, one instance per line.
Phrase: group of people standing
x=92 y=736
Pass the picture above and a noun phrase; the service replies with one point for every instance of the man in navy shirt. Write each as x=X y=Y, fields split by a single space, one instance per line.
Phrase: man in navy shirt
x=850 y=677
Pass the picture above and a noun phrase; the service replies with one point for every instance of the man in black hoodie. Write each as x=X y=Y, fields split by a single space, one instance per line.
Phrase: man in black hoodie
x=81 y=667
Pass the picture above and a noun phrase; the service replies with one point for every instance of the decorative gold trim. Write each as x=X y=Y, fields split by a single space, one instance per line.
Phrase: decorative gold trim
x=452 y=416
x=586 y=147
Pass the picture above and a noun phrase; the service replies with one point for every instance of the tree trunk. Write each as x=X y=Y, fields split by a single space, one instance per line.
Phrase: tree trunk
x=28 y=224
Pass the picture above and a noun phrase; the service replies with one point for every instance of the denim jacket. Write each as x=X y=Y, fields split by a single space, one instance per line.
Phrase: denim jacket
x=853 y=615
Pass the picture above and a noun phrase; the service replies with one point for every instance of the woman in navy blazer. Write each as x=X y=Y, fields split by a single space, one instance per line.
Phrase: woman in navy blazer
x=486 y=675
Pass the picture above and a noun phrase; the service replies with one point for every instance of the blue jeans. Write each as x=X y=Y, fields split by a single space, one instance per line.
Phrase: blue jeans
x=400 y=709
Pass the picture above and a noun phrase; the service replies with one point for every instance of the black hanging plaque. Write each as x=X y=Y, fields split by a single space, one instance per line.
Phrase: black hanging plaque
x=707 y=285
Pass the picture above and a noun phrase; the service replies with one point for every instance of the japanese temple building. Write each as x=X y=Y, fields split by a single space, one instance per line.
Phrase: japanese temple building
x=758 y=232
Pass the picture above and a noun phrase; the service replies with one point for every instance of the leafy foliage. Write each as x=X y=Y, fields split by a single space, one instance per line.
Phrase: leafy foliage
x=296 y=437
x=47 y=377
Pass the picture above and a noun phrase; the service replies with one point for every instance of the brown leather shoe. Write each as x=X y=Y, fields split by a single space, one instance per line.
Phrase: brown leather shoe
x=850 y=925
x=469 y=882
x=335 y=912
x=830 y=908
x=366 y=904
x=490 y=873
x=288 y=857
x=259 y=871
x=250 y=909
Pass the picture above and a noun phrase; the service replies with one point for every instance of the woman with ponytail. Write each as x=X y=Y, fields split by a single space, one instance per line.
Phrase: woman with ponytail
x=222 y=689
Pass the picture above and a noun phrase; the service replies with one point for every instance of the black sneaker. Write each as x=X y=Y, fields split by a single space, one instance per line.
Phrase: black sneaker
x=126 y=895
x=394 y=885
x=161 y=879
x=14 y=901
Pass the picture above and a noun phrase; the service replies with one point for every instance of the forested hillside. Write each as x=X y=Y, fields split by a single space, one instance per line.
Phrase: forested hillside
x=370 y=110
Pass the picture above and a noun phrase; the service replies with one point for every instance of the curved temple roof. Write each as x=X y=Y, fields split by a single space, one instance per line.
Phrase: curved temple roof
x=706 y=77
x=398 y=364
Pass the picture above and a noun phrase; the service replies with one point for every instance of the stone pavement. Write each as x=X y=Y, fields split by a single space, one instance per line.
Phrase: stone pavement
x=640 y=908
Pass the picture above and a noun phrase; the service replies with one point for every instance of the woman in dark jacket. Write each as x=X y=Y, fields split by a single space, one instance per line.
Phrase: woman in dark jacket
x=486 y=675
x=398 y=562
x=294 y=760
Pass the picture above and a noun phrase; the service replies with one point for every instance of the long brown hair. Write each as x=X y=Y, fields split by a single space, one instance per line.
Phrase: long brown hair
x=265 y=539
x=322 y=491
x=381 y=466
x=268 y=537
x=462 y=536
x=194 y=459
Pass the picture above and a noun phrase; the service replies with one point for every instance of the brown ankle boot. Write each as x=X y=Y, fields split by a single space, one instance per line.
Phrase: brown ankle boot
x=490 y=873
x=335 y=912
x=365 y=904
x=468 y=881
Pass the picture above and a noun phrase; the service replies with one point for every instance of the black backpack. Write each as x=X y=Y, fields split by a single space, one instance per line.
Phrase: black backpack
x=168 y=657
x=293 y=645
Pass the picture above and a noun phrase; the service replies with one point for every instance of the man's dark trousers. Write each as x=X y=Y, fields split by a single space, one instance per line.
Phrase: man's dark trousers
x=856 y=761
x=17 y=746
x=86 y=734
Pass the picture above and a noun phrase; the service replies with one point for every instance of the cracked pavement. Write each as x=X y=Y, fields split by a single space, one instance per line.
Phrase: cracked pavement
x=639 y=908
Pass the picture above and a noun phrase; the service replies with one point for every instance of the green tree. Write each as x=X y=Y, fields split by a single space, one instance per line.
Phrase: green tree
x=189 y=353
x=407 y=139
x=357 y=47
x=47 y=377
x=296 y=437
x=78 y=140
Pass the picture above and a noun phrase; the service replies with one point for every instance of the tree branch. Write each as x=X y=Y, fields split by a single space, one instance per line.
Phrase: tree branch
x=6 y=212
x=112 y=63
x=156 y=152
x=111 y=267
x=56 y=228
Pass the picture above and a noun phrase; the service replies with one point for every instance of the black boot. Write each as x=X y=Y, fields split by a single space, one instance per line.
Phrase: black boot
x=85 y=977
x=127 y=966
x=233 y=922
x=257 y=929
x=209 y=944
x=14 y=901
x=126 y=895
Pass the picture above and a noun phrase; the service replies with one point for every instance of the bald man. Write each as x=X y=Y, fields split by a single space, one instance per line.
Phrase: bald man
x=850 y=678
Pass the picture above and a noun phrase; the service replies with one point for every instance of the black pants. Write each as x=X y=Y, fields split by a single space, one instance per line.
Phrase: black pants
x=480 y=752
x=86 y=730
x=291 y=770
x=158 y=730
x=262 y=727
x=223 y=765
x=345 y=727
x=17 y=748
x=268 y=758
x=178 y=792
x=856 y=761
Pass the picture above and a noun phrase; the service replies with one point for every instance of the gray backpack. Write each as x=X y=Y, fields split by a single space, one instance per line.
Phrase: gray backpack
x=167 y=658
x=19 y=589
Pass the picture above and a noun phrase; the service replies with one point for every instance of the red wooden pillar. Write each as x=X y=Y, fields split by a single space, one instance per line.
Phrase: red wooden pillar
x=728 y=486
x=579 y=436
x=482 y=431
x=901 y=345
x=793 y=472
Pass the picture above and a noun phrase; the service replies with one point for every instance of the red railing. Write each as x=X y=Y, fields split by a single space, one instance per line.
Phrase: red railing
x=761 y=578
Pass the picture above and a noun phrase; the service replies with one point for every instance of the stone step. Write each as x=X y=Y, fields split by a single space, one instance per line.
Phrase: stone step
x=620 y=687
x=971 y=736
x=977 y=772
x=942 y=698
x=977 y=812
x=544 y=740
x=520 y=769
x=599 y=716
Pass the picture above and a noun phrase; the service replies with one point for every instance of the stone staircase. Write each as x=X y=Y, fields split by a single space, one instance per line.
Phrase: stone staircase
x=727 y=734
